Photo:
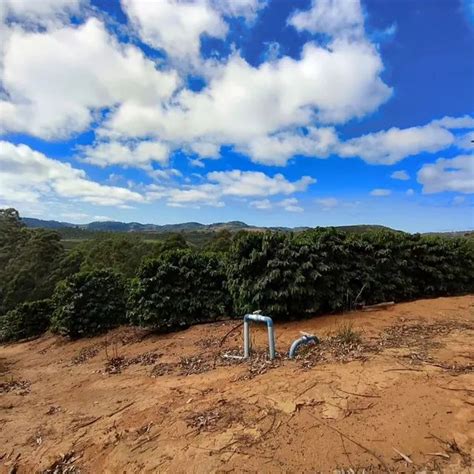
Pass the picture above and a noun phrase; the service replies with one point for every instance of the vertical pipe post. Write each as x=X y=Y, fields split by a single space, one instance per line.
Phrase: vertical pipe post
x=246 y=339
x=271 y=340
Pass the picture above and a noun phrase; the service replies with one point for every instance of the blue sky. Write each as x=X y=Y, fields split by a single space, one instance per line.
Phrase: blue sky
x=273 y=112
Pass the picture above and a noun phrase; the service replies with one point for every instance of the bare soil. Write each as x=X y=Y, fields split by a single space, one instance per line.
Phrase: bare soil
x=399 y=399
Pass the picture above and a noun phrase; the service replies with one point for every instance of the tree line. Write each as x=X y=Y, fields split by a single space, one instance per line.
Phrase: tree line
x=122 y=279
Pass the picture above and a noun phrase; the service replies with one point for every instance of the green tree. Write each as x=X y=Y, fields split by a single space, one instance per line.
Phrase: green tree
x=220 y=242
x=29 y=259
x=121 y=253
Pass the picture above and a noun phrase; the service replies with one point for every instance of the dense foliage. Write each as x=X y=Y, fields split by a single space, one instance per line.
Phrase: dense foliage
x=89 y=303
x=170 y=283
x=179 y=288
x=30 y=262
x=26 y=320
x=327 y=270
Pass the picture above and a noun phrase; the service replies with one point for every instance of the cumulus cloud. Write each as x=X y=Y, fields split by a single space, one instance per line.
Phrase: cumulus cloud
x=466 y=121
x=174 y=26
x=289 y=205
x=466 y=141
x=41 y=12
x=261 y=204
x=454 y=174
x=380 y=192
x=234 y=184
x=279 y=148
x=242 y=102
x=256 y=183
x=166 y=174
x=391 y=146
x=330 y=17
x=410 y=192
x=206 y=149
x=27 y=175
x=138 y=155
x=54 y=81
x=401 y=175
x=177 y=27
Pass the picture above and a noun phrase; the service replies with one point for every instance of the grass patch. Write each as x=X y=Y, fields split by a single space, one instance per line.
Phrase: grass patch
x=346 y=334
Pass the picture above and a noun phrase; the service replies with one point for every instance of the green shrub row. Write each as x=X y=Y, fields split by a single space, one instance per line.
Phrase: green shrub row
x=325 y=270
x=179 y=288
x=286 y=275
x=89 y=303
x=26 y=320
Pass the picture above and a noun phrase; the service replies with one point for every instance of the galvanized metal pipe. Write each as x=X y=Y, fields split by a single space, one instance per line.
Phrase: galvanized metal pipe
x=306 y=339
x=271 y=334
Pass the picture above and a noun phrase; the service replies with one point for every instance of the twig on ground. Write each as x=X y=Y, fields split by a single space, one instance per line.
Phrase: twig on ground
x=457 y=389
x=346 y=453
x=358 y=394
x=375 y=307
x=404 y=456
x=443 y=455
x=396 y=370
x=228 y=333
x=307 y=389
x=120 y=409
x=89 y=422
x=367 y=450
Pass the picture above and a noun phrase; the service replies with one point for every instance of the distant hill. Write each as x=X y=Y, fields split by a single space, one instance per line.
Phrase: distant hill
x=39 y=223
x=114 y=226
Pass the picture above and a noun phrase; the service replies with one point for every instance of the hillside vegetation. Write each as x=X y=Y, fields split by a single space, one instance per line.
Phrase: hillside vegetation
x=121 y=278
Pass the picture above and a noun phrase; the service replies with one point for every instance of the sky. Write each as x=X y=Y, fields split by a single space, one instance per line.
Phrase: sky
x=272 y=112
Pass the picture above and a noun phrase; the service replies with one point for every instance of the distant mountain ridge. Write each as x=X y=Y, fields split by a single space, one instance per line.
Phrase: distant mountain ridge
x=116 y=226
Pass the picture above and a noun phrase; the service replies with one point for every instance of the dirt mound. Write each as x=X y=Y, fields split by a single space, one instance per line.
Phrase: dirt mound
x=389 y=390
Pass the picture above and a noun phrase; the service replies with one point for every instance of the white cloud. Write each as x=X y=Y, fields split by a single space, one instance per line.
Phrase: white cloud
x=466 y=121
x=380 y=192
x=262 y=204
x=83 y=218
x=165 y=174
x=26 y=176
x=331 y=17
x=39 y=12
x=410 y=192
x=242 y=102
x=279 y=148
x=290 y=205
x=255 y=183
x=206 y=149
x=466 y=141
x=234 y=184
x=455 y=174
x=54 y=81
x=175 y=26
x=247 y=9
x=401 y=175
x=138 y=155
x=391 y=146
x=328 y=203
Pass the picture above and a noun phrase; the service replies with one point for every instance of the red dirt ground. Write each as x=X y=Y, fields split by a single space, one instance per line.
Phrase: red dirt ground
x=401 y=399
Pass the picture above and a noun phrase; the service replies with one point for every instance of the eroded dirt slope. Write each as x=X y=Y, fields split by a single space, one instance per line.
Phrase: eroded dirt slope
x=400 y=399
